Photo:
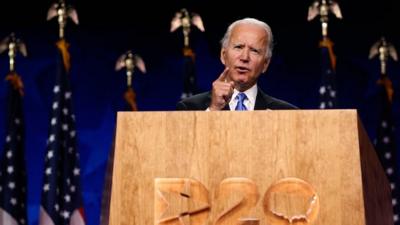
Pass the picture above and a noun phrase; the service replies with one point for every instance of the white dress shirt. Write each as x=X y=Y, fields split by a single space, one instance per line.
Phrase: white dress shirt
x=249 y=102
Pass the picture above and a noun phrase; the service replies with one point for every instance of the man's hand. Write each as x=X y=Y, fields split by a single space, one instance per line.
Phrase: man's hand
x=222 y=90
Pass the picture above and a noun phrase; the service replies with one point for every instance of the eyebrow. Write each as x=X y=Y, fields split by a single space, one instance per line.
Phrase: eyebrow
x=241 y=44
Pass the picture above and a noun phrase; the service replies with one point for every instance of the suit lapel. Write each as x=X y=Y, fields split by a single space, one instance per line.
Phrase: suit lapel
x=261 y=103
x=226 y=107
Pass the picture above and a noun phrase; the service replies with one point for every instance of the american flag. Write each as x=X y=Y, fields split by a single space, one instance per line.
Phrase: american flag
x=189 y=74
x=385 y=144
x=12 y=162
x=327 y=89
x=61 y=202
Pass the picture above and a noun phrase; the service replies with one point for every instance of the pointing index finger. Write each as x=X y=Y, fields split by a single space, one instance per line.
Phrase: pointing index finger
x=224 y=75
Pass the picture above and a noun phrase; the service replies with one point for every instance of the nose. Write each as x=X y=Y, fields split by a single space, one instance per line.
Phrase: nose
x=245 y=55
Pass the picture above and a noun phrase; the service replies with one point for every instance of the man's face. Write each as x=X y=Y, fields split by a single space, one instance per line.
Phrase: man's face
x=245 y=55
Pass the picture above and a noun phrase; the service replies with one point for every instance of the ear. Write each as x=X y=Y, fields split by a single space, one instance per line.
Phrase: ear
x=222 y=55
x=266 y=64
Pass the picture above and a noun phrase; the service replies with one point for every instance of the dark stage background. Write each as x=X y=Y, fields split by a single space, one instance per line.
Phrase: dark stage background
x=109 y=28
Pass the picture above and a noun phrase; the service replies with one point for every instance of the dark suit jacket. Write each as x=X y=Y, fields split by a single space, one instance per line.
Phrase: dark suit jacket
x=263 y=101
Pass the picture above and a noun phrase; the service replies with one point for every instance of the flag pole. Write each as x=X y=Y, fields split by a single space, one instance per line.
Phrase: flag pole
x=385 y=142
x=327 y=89
x=185 y=20
x=61 y=201
x=130 y=61
x=13 y=178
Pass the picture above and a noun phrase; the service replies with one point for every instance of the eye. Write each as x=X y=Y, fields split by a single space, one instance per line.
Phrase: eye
x=256 y=51
x=238 y=46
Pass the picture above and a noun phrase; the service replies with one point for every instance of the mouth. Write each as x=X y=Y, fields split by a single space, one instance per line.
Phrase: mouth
x=242 y=69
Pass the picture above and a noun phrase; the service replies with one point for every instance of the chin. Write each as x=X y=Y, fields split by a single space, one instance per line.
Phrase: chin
x=241 y=84
x=242 y=78
x=241 y=81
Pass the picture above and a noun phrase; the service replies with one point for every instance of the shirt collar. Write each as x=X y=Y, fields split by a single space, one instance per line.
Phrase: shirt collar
x=251 y=93
x=250 y=102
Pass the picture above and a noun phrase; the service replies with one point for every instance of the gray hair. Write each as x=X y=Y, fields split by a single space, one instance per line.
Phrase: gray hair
x=269 y=41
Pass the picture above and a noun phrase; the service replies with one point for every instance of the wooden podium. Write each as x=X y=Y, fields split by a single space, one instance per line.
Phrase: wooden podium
x=254 y=167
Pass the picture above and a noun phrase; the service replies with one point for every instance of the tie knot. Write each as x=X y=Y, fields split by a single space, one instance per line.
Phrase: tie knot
x=240 y=104
x=241 y=96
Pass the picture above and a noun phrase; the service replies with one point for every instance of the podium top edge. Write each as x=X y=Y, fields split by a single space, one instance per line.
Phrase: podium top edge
x=255 y=111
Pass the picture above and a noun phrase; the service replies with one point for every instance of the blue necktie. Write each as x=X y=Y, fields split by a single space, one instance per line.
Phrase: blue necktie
x=240 y=104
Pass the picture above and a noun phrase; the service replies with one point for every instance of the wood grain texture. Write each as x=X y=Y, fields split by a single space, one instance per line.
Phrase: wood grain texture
x=180 y=200
x=322 y=148
x=291 y=201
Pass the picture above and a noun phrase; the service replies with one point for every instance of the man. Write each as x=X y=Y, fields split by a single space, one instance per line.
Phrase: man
x=246 y=53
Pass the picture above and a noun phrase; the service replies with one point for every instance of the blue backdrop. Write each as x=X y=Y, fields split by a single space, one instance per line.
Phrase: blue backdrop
x=110 y=28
